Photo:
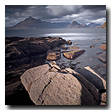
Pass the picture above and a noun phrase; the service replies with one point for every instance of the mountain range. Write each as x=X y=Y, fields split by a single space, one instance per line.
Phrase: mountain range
x=75 y=24
x=32 y=23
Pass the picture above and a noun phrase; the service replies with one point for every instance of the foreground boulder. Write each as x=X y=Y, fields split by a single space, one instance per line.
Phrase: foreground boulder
x=55 y=88
x=73 y=54
x=86 y=83
x=39 y=85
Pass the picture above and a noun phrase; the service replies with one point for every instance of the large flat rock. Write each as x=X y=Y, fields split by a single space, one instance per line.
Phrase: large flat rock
x=74 y=53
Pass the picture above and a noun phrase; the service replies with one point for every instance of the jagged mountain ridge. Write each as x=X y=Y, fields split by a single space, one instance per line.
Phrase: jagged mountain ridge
x=75 y=24
x=32 y=23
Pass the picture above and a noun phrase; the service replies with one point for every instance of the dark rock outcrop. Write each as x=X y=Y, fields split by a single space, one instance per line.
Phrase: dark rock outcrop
x=33 y=45
x=21 y=51
x=93 y=77
x=24 y=53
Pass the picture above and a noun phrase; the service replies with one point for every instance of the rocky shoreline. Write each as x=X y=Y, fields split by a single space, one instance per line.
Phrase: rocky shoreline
x=25 y=70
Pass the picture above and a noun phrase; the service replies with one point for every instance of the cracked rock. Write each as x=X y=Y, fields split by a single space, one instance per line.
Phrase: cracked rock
x=55 y=88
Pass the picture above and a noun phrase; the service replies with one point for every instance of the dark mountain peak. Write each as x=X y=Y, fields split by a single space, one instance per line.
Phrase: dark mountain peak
x=32 y=20
x=29 y=19
x=74 y=23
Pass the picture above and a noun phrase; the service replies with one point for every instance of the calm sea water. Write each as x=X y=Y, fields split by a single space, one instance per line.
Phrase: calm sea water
x=80 y=37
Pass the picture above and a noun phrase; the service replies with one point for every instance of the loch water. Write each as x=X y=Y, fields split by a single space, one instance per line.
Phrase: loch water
x=80 y=37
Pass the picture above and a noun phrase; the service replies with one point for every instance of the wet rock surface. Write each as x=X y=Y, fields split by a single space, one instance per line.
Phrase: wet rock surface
x=74 y=53
x=103 y=46
x=102 y=57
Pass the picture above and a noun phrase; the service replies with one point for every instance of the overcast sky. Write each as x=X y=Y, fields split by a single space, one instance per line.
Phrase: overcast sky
x=56 y=13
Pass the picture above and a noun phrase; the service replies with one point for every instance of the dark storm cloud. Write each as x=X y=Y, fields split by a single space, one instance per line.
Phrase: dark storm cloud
x=17 y=13
x=55 y=13
x=11 y=10
x=94 y=7
x=22 y=7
